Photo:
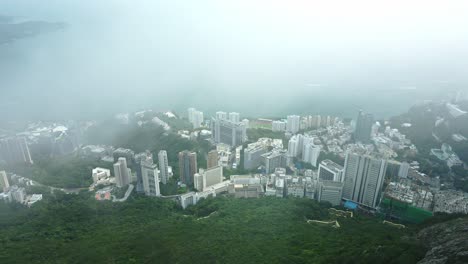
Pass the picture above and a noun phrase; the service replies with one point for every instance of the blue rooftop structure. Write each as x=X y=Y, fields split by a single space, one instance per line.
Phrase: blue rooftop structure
x=350 y=205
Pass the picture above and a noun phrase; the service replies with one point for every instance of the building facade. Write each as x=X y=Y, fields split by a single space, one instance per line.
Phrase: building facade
x=163 y=166
x=212 y=159
x=122 y=173
x=150 y=177
x=187 y=166
x=363 y=179
x=330 y=171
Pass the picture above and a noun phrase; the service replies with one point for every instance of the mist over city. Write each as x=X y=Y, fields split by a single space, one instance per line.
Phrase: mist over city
x=233 y=131
x=265 y=57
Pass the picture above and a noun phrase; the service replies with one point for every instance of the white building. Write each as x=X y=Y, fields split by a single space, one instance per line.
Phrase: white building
x=221 y=115
x=4 y=184
x=207 y=178
x=34 y=199
x=122 y=173
x=195 y=117
x=150 y=178
x=293 y=124
x=18 y=194
x=234 y=117
x=295 y=146
x=101 y=175
x=330 y=171
x=278 y=126
x=404 y=169
x=311 y=154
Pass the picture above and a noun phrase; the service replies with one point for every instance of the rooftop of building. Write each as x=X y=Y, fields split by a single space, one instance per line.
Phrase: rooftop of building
x=332 y=165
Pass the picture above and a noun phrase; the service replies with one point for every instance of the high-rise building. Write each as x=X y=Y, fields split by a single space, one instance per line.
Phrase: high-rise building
x=122 y=173
x=311 y=154
x=18 y=193
x=278 y=126
x=4 y=184
x=397 y=169
x=363 y=129
x=253 y=156
x=163 y=166
x=221 y=115
x=227 y=132
x=293 y=124
x=150 y=177
x=246 y=123
x=198 y=181
x=208 y=177
x=363 y=179
x=295 y=145
x=213 y=176
x=212 y=159
x=190 y=112
x=195 y=117
x=404 y=169
x=234 y=117
x=274 y=159
x=329 y=191
x=187 y=166
x=139 y=159
x=15 y=150
x=330 y=171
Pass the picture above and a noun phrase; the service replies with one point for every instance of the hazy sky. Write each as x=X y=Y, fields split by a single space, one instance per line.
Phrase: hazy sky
x=255 y=57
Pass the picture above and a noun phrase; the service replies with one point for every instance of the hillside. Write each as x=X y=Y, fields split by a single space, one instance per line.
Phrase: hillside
x=447 y=242
x=77 y=229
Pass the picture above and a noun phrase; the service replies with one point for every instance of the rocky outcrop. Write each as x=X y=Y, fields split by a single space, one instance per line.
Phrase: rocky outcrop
x=447 y=242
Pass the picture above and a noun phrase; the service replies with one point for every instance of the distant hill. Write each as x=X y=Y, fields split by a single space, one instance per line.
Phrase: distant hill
x=432 y=124
x=11 y=31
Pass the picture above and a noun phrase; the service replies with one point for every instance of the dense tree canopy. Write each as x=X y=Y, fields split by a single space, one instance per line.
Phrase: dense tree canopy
x=77 y=229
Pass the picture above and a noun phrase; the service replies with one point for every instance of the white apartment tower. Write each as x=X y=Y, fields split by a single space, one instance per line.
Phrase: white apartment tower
x=121 y=172
x=293 y=123
x=234 y=117
x=150 y=178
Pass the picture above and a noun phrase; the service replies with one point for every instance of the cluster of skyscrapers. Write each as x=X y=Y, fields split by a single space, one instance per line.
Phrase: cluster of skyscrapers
x=304 y=147
x=148 y=174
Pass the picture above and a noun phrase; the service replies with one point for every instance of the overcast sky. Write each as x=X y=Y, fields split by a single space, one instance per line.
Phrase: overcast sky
x=255 y=57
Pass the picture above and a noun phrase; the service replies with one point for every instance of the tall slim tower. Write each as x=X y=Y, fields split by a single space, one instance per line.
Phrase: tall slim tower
x=212 y=159
x=4 y=184
x=363 y=179
x=121 y=172
x=163 y=166
x=187 y=166
x=293 y=123
x=363 y=130
x=150 y=179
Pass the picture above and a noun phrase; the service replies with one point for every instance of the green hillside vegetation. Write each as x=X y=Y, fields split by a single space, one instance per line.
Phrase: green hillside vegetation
x=423 y=119
x=69 y=171
x=77 y=229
